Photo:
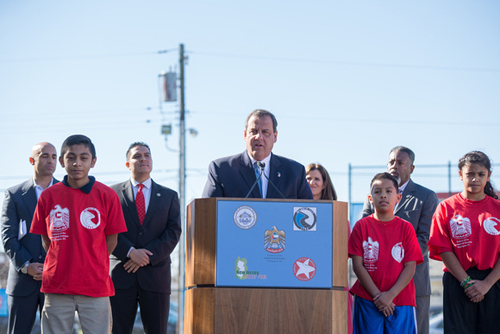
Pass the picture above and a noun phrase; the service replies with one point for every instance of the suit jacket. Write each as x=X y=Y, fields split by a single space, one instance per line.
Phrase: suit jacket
x=417 y=206
x=20 y=204
x=233 y=176
x=159 y=234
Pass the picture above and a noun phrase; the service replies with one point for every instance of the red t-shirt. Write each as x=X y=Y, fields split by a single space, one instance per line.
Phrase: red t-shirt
x=77 y=224
x=385 y=248
x=470 y=229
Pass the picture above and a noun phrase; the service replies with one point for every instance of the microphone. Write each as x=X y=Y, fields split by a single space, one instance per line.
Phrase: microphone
x=257 y=181
x=262 y=166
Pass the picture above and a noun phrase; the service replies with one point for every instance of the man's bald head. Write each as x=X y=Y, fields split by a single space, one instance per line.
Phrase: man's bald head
x=44 y=159
x=39 y=147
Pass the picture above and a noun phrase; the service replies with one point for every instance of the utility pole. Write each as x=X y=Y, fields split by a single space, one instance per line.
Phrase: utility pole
x=182 y=193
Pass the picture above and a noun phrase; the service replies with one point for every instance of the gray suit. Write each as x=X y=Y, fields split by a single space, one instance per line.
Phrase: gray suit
x=417 y=206
x=24 y=292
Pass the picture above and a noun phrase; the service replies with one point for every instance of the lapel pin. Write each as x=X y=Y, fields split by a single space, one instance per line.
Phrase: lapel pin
x=158 y=194
x=279 y=174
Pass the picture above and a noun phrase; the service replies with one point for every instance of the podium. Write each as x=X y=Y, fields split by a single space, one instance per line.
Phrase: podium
x=266 y=266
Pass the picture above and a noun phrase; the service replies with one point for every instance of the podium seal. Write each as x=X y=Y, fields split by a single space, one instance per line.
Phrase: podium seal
x=245 y=217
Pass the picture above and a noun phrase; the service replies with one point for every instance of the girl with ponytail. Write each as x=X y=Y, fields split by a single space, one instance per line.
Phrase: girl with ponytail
x=465 y=235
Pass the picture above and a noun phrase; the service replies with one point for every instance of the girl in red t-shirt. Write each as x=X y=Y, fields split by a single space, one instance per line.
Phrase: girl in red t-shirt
x=465 y=235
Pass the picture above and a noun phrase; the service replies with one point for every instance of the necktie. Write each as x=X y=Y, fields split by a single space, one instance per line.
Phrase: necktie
x=140 y=203
x=257 y=174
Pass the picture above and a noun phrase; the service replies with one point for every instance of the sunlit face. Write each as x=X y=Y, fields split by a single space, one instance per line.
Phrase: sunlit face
x=44 y=159
x=384 y=196
x=400 y=166
x=140 y=162
x=474 y=178
x=260 y=137
x=316 y=183
x=77 y=161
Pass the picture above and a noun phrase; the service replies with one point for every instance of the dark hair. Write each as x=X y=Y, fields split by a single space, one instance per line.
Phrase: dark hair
x=384 y=176
x=135 y=144
x=328 y=192
x=78 y=140
x=263 y=113
x=410 y=153
x=478 y=157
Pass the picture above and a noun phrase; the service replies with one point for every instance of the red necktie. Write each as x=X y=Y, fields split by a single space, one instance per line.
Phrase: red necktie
x=140 y=203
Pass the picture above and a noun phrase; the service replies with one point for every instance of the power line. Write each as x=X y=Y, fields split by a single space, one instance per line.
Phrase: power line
x=264 y=58
x=96 y=56
x=360 y=120
x=350 y=63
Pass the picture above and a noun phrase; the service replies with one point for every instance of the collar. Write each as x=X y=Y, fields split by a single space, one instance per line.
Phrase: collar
x=86 y=188
x=146 y=183
x=403 y=187
x=266 y=160
x=50 y=184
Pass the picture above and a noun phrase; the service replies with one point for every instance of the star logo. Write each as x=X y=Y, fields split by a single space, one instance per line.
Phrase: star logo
x=304 y=269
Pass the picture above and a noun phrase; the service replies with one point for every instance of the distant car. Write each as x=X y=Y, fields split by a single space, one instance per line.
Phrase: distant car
x=436 y=324
x=435 y=310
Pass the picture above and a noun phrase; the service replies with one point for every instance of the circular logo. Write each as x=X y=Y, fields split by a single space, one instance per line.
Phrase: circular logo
x=490 y=225
x=305 y=219
x=304 y=269
x=245 y=217
x=398 y=252
x=90 y=218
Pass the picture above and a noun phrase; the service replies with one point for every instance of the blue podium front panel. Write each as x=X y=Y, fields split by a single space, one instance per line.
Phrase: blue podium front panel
x=274 y=244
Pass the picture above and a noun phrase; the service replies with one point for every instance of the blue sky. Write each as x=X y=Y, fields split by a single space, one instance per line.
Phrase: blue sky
x=347 y=80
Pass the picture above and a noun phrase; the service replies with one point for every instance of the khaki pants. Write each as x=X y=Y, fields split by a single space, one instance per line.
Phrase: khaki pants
x=58 y=314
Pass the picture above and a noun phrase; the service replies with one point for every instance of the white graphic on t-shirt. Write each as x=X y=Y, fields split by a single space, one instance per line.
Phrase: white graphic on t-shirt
x=86 y=218
x=398 y=252
x=489 y=225
x=59 y=219
x=460 y=227
x=370 y=249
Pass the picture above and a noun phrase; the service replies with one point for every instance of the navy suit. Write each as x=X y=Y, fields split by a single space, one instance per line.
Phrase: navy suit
x=24 y=292
x=234 y=176
x=159 y=234
x=417 y=206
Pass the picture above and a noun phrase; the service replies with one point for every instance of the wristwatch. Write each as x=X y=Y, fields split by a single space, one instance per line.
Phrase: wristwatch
x=24 y=268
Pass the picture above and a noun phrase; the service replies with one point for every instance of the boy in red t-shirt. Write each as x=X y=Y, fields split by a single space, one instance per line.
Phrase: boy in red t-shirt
x=78 y=219
x=385 y=252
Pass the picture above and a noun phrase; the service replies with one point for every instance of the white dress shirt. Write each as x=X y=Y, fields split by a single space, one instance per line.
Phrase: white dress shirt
x=146 y=190
x=267 y=170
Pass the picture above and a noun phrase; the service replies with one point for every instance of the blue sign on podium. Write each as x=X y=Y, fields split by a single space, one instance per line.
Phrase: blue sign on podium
x=274 y=244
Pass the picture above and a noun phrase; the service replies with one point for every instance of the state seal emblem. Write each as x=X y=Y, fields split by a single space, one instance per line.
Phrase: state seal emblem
x=245 y=217
x=274 y=240
x=59 y=219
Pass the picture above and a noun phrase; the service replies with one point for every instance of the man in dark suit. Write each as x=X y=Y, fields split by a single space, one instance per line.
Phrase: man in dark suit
x=140 y=263
x=235 y=175
x=417 y=206
x=23 y=248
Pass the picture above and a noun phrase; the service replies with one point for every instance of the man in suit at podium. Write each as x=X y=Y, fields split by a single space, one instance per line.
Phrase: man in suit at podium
x=23 y=248
x=271 y=176
x=140 y=263
x=417 y=206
